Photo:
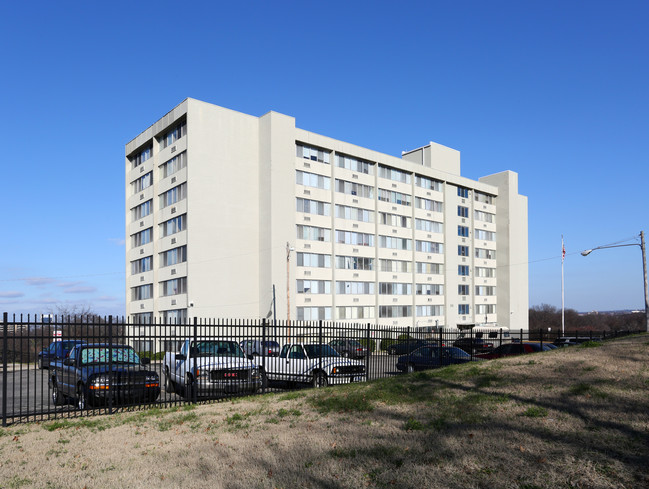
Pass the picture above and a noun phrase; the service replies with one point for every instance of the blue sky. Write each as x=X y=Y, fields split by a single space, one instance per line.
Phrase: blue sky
x=555 y=91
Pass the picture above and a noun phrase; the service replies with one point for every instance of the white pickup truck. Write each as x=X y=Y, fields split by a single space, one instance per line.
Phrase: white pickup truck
x=315 y=364
x=210 y=367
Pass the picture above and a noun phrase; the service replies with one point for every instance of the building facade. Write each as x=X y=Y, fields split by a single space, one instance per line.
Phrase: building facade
x=222 y=206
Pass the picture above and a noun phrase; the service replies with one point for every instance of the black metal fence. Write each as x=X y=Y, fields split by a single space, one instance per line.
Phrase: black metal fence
x=68 y=367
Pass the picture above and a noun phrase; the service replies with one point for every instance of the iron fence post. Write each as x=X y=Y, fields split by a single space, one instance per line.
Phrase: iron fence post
x=368 y=353
x=110 y=364
x=263 y=357
x=193 y=386
x=5 y=326
x=320 y=344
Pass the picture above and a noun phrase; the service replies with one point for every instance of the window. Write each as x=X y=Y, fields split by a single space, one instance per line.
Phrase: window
x=173 y=135
x=313 y=260
x=428 y=268
x=175 y=225
x=485 y=235
x=140 y=157
x=354 y=164
x=423 y=311
x=174 y=316
x=463 y=192
x=312 y=180
x=392 y=288
x=173 y=195
x=394 y=220
x=313 y=233
x=429 y=226
x=311 y=153
x=354 y=213
x=354 y=263
x=174 y=164
x=173 y=256
x=142 y=292
x=485 y=254
x=313 y=207
x=143 y=318
x=314 y=287
x=428 y=205
x=355 y=288
x=485 y=309
x=429 y=247
x=394 y=174
x=463 y=290
x=485 y=290
x=394 y=197
x=463 y=250
x=463 y=270
x=485 y=272
x=395 y=311
x=313 y=313
x=141 y=238
x=429 y=289
x=484 y=198
x=463 y=309
x=394 y=243
x=141 y=265
x=353 y=238
x=395 y=266
x=485 y=216
x=141 y=210
x=462 y=211
x=352 y=188
x=173 y=287
x=428 y=183
x=463 y=231
x=355 y=312
x=142 y=182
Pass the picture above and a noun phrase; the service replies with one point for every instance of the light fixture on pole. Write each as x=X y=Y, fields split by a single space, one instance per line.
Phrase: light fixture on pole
x=644 y=270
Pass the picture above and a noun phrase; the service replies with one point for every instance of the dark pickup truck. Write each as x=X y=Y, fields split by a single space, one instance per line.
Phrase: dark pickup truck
x=94 y=373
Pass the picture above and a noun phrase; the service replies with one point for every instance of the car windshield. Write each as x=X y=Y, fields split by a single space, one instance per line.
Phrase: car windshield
x=103 y=354
x=218 y=348
x=456 y=353
x=315 y=351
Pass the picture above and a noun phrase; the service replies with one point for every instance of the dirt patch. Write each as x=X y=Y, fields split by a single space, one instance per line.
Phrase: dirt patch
x=575 y=417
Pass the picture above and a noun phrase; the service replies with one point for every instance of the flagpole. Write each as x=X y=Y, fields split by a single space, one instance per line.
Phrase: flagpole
x=563 y=320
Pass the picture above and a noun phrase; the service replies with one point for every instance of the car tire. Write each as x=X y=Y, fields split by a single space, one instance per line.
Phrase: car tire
x=57 y=397
x=410 y=368
x=186 y=390
x=82 y=398
x=264 y=379
x=40 y=363
x=320 y=380
x=169 y=385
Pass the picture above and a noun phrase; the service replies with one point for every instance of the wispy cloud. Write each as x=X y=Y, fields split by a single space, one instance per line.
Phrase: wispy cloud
x=39 y=280
x=82 y=289
x=106 y=298
x=11 y=294
x=117 y=241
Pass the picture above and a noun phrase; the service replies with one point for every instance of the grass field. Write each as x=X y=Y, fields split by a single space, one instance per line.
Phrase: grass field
x=571 y=418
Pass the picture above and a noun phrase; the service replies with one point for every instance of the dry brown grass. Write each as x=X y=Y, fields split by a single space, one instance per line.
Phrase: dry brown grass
x=571 y=418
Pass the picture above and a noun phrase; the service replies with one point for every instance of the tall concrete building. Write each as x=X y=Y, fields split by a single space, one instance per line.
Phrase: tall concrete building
x=222 y=206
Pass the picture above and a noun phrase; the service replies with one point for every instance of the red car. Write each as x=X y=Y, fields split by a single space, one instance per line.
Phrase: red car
x=511 y=349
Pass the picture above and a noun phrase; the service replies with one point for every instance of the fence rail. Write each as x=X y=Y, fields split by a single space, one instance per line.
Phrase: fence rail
x=76 y=366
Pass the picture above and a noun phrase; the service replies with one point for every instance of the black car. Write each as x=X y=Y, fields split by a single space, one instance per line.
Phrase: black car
x=403 y=347
x=58 y=350
x=473 y=345
x=94 y=373
x=428 y=357
x=349 y=348
x=257 y=347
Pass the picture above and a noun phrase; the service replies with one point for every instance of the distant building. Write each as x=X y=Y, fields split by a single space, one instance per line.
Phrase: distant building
x=216 y=199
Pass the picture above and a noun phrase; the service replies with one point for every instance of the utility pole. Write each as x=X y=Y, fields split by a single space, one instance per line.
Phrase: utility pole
x=644 y=273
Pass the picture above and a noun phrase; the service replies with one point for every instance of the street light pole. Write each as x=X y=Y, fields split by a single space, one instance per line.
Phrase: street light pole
x=644 y=271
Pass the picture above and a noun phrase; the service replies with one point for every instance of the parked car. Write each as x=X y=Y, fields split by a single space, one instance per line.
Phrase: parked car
x=403 y=347
x=94 y=373
x=57 y=350
x=574 y=340
x=428 y=357
x=473 y=345
x=511 y=349
x=268 y=348
x=211 y=367
x=348 y=348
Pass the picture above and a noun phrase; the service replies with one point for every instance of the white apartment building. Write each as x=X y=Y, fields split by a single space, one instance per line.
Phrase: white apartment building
x=222 y=206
